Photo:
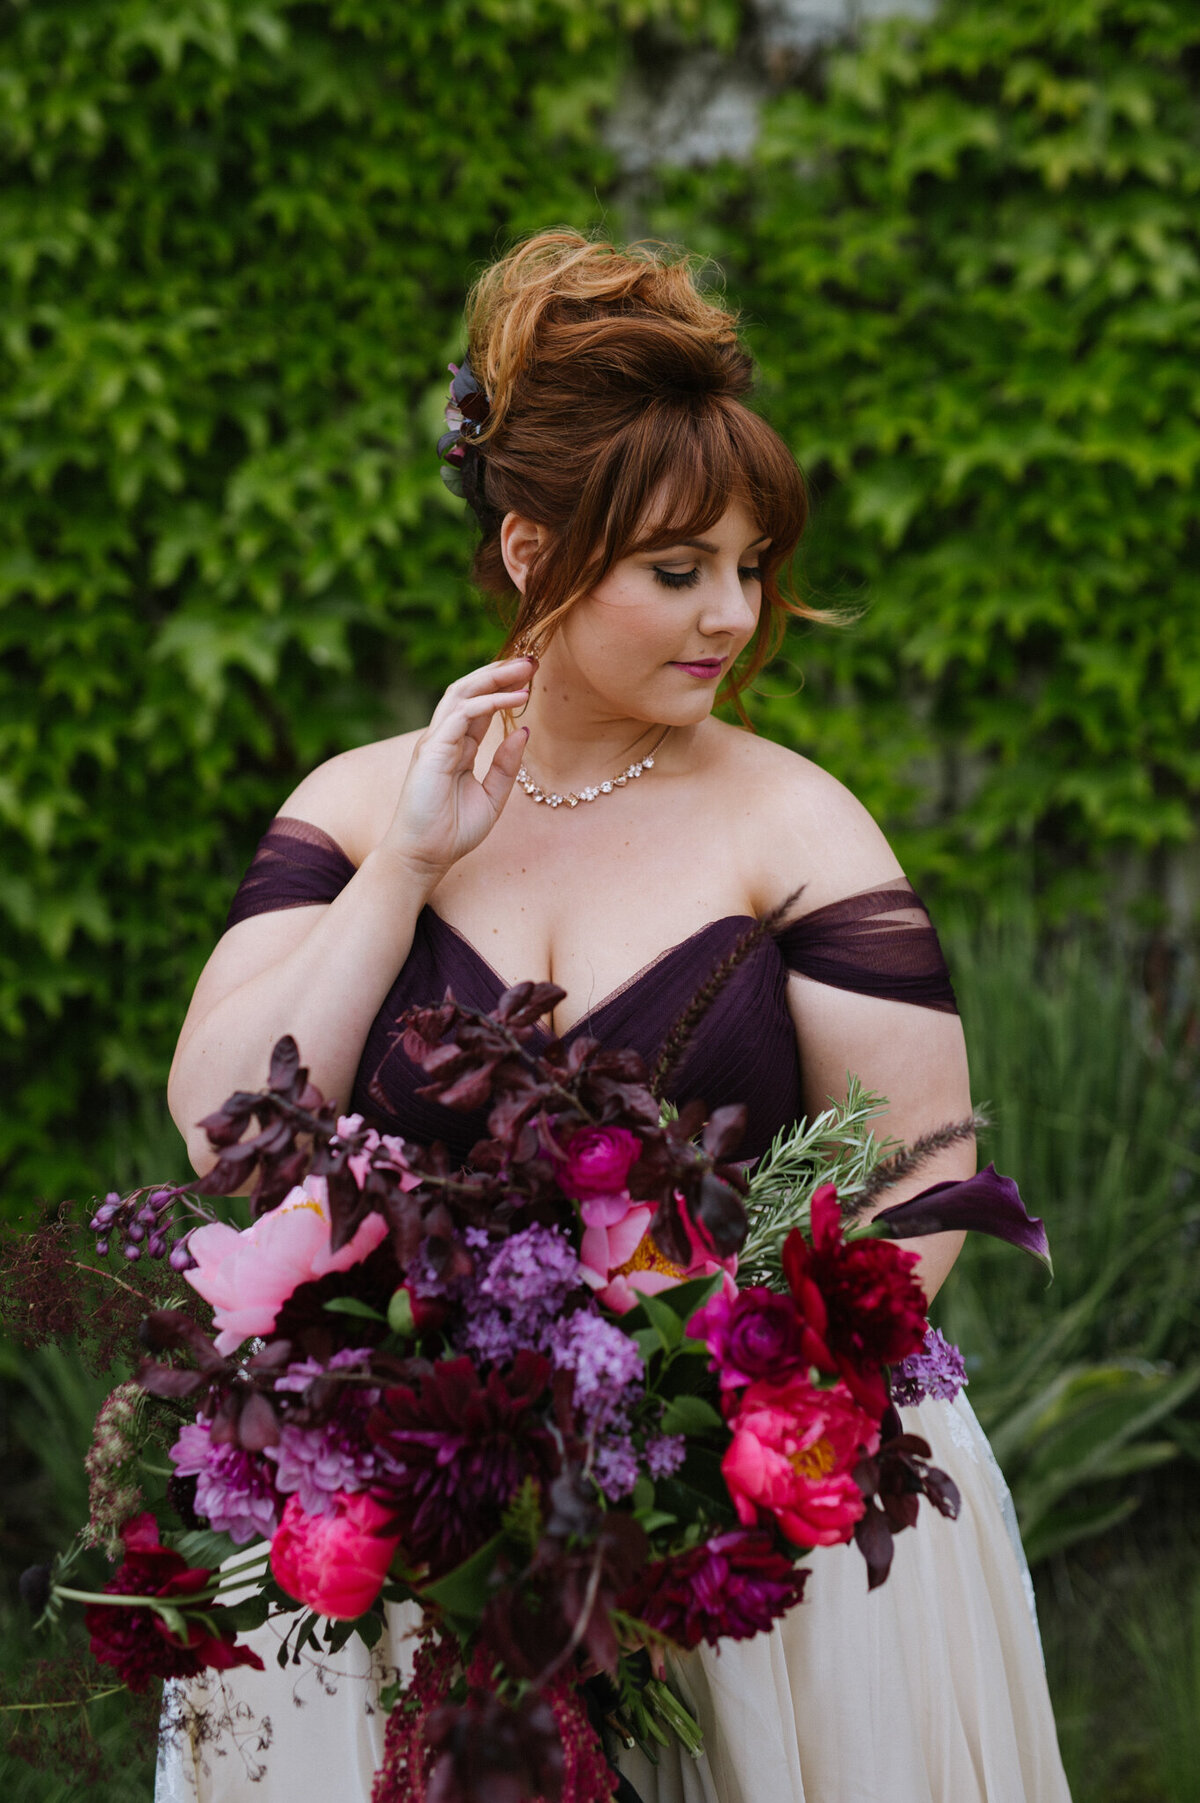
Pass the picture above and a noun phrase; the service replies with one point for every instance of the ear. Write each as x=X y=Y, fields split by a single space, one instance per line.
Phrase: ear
x=520 y=542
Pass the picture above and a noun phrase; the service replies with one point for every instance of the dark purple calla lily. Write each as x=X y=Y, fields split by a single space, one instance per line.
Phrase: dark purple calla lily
x=986 y=1203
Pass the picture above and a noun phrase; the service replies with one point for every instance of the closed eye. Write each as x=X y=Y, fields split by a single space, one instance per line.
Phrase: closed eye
x=689 y=578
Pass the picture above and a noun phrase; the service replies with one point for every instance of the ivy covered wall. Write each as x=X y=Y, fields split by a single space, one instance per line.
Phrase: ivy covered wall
x=234 y=238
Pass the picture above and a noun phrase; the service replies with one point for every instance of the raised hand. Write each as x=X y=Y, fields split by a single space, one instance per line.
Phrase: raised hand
x=444 y=810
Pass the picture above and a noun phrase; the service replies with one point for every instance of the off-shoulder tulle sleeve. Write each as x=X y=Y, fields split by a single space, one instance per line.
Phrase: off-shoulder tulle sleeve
x=295 y=866
x=879 y=943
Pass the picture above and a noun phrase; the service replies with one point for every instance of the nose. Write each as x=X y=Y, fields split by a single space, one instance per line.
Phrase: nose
x=730 y=606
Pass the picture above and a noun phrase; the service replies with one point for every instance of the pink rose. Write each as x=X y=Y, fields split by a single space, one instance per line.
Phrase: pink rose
x=597 y=1162
x=335 y=1563
x=793 y=1455
x=622 y=1262
x=248 y=1276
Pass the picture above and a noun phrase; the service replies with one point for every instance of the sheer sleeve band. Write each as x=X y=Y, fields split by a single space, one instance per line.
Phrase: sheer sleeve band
x=880 y=943
x=295 y=866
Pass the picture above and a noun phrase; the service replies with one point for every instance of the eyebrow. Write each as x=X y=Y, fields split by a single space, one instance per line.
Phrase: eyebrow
x=702 y=544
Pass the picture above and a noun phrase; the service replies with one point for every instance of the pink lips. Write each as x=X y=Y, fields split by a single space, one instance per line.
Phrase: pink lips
x=711 y=666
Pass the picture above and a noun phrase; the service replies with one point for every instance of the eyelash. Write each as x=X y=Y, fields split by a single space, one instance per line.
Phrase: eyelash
x=689 y=578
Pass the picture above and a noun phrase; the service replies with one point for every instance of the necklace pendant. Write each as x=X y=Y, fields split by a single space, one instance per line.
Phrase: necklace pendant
x=620 y=781
x=572 y=801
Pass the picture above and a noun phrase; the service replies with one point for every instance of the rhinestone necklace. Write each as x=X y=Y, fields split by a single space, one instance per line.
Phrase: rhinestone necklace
x=572 y=800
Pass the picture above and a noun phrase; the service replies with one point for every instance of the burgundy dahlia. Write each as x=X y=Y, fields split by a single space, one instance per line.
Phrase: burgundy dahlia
x=860 y=1300
x=451 y=1454
x=137 y=1642
x=733 y=1587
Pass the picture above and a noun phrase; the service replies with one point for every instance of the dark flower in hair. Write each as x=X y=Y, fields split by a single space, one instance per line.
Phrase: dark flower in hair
x=466 y=413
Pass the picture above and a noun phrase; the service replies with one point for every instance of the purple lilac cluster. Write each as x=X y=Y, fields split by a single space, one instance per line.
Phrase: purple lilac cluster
x=518 y=1290
x=234 y=1491
x=315 y=1463
x=937 y=1370
x=516 y=1297
x=609 y=1380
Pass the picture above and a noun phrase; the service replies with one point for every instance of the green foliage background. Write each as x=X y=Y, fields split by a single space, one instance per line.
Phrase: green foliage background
x=234 y=239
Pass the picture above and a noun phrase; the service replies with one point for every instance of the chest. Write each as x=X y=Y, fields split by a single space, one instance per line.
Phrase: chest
x=587 y=898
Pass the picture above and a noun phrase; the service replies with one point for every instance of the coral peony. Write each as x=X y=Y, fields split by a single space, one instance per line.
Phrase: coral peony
x=334 y=1563
x=137 y=1643
x=597 y=1162
x=793 y=1455
x=752 y=1334
x=860 y=1300
x=248 y=1276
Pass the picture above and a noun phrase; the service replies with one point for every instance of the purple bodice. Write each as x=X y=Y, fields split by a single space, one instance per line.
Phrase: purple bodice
x=878 y=943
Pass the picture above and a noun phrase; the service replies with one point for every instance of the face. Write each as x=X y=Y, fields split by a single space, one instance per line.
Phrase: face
x=656 y=636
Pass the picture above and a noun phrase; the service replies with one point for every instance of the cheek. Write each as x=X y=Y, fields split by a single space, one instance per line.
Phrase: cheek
x=621 y=622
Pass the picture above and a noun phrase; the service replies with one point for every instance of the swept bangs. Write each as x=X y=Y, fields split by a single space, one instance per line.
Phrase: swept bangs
x=669 y=474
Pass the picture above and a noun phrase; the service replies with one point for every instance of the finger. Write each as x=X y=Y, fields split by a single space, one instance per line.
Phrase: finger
x=491 y=677
x=502 y=772
x=469 y=721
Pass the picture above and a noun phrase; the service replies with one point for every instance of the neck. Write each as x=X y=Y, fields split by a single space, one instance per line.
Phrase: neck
x=576 y=739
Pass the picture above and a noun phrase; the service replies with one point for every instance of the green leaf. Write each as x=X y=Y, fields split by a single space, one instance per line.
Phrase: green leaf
x=351 y=1305
x=690 y=1415
x=462 y=1594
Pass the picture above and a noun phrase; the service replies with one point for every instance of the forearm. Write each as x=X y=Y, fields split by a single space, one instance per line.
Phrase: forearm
x=325 y=992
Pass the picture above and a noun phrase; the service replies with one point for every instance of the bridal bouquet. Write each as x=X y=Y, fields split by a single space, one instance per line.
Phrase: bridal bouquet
x=592 y=1399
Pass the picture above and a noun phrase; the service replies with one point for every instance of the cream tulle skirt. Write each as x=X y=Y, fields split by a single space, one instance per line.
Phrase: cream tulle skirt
x=929 y=1690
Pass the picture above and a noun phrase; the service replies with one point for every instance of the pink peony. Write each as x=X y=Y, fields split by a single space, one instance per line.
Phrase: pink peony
x=248 y=1276
x=335 y=1563
x=597 y=1162
x=793 y=1455
x=622 y=1262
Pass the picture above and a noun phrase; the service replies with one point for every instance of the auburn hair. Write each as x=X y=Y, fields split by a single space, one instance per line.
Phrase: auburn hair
x=617 y=421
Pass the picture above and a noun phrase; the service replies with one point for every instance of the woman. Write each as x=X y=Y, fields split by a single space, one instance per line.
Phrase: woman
x=574 y=812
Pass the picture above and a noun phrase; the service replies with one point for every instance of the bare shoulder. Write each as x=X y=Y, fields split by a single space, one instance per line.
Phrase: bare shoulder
x=353 y=796
x=797 y=824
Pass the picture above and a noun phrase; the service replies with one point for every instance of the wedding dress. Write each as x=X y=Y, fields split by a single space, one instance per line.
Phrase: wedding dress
x=930 y=1689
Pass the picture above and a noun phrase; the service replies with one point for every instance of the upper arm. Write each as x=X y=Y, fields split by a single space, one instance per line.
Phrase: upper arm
x=351 y=798
x=815 y=834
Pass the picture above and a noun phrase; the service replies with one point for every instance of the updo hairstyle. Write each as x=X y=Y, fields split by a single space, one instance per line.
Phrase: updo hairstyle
x=617 y=422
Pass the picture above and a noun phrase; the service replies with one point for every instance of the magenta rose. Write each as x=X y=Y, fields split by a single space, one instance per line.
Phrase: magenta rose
x=792 y=1459
x=597 y=1162
x=335 y=1563
x=752 y=1334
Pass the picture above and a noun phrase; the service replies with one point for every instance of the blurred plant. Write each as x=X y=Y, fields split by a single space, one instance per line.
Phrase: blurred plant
x=235 y=237
x=1164 y=1635
x=1086 y=1384
x=969 y=251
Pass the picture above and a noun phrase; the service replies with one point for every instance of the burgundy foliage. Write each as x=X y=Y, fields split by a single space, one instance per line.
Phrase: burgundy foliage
x=893 y=1483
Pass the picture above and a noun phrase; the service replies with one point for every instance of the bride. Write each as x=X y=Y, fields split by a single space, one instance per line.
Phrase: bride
x=574 y=812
